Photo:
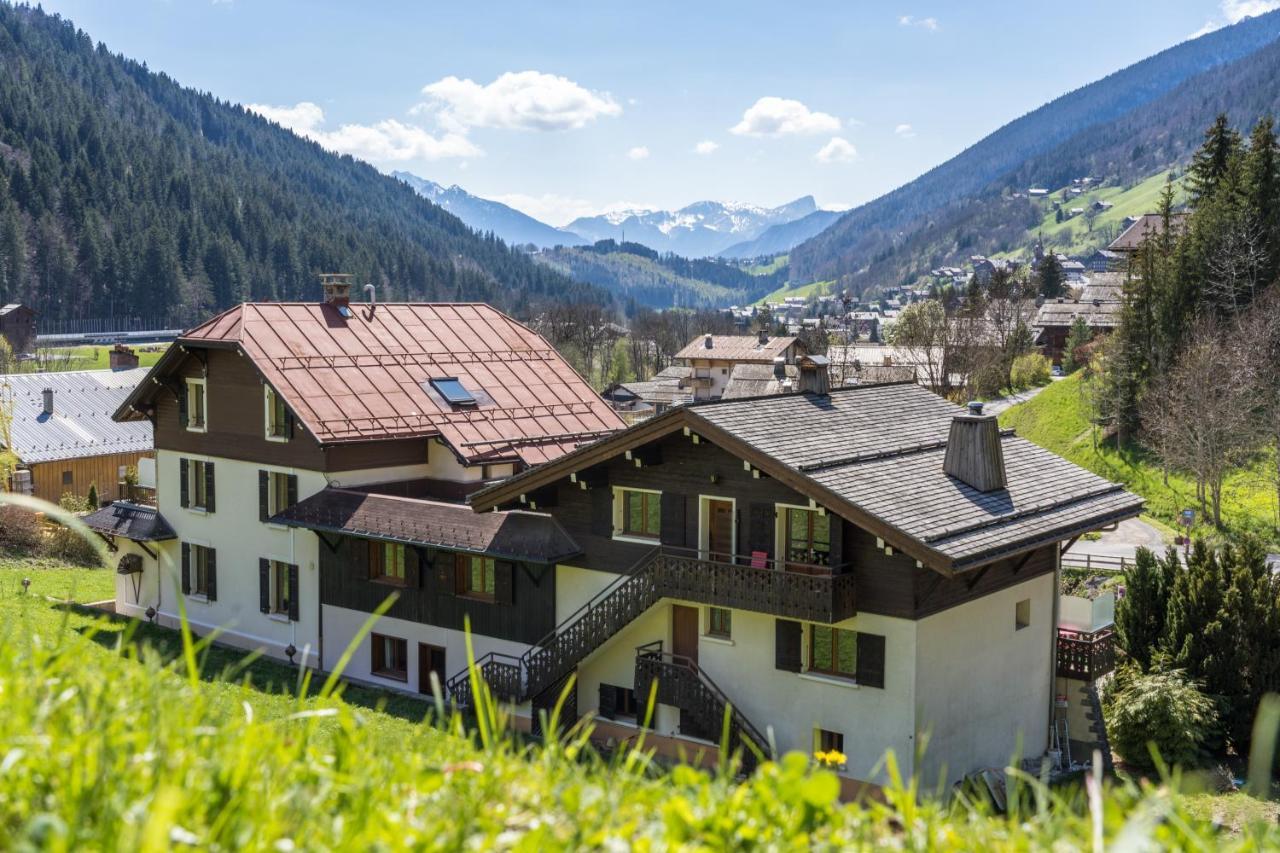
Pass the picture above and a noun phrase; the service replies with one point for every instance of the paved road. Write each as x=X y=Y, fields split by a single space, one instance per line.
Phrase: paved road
x=995 y=407
x=1129 y=535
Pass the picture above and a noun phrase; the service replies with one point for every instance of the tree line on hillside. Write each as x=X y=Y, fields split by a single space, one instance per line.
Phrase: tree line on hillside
x=123 y=193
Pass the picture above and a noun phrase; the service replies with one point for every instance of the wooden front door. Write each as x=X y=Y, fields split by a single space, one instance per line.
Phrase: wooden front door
x=684 y=631
x=720 y=530
x=430 y=659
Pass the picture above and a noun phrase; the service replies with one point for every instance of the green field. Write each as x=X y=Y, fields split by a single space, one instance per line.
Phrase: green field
x=61 y=360
x=118 y=735
x=773 y=266
x=1072 y=237
x=817 y=288
x=1056 y=419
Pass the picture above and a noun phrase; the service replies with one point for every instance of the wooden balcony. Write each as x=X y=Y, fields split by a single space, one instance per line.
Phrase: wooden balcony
x=792 y=590
x=1086 y=656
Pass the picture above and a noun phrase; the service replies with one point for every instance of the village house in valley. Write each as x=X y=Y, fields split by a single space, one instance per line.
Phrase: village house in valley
x=711 y=358
x=851 y=569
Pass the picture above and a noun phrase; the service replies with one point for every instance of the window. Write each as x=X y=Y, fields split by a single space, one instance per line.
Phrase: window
x=390 y=657
x=833 y=651
x=451 y=388
x=279 y=577
x=641 y=513
x=277 y=416
x=807 y=537
x=199 y=474
x=828 y=741
x=200 y=570
x=386 y=562
x=618 y=702
x=68 y=479
x=1022 y=614
x=475 y=577
x=279 y=485
x=196 y=413
x=719 y=622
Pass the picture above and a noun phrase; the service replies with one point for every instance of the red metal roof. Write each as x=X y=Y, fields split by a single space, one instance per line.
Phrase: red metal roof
x=367 y=376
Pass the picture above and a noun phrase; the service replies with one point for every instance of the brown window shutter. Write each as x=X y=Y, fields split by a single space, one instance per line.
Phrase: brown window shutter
x=294 y=593
x=870 y=660
x=264 y=584
x=601 y=511
x=504 y=581
x=786 y=645
x=211 y=563
x=672 y=520
x=264 y=495
x=184 y=484
x=182 y=405
x=376 y=554
x=608 y=701
x=186 y=566
x=292 y=497
x=446 y=577
x=288 y=422
x=208 y=487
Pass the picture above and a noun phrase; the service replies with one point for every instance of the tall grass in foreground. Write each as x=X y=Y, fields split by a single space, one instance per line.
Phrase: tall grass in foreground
x=132 y=753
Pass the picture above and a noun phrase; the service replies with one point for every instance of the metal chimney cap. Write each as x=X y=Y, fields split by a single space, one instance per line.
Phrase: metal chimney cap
x=975 y=407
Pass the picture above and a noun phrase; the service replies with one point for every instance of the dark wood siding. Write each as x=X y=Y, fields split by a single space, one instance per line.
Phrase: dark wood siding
x=235 y=407
x=427 y=596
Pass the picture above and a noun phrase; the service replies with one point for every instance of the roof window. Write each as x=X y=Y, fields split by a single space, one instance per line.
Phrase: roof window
x=451 y=388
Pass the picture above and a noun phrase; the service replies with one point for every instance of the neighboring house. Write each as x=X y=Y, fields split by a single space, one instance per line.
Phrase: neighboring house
x=1147 y=225
x=269 y=404
x=1104 y=260
x=645 y=398
x=867 y=363
x=18 y=327
x=711 y=357
x=860 y=570
x=1100 y=304
x=63 y=434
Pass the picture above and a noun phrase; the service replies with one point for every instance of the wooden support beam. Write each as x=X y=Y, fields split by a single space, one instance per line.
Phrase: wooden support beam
x=1067 y=547
x=929 y=590
x=977 y=576
x=332 y=546
x=1022 y=562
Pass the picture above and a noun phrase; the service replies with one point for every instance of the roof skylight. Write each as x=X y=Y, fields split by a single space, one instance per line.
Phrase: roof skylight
x=451 y=388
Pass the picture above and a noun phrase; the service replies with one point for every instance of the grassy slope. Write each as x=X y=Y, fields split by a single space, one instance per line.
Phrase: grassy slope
x=1055 y=419
x=94 y=358
x=1073 y=237
x=638 y=268
x=805 y=290
x=775 y=264
x=111 y=741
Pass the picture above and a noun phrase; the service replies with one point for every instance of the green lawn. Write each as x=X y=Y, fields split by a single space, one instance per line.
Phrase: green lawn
x=92 y=358
x=775 y=264
x=817 y=288
x=118 y=735
x=1056 y=419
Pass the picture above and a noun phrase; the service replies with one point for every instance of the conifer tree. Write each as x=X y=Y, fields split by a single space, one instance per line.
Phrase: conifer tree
x=1209 y=165
x=1051 y=277
x=1140 y=615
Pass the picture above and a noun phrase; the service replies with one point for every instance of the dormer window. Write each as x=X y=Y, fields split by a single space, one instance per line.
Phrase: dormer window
x=193 y=411
x=451 y=388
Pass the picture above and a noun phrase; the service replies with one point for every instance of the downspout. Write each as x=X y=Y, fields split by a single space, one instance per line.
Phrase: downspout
x=1053 y=641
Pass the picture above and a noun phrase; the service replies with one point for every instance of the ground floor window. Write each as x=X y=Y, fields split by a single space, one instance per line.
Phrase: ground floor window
x=200 y=570
x=390 y=657
x=833 y=651
x=828 y=748
x=618 y=703
x=719 y=622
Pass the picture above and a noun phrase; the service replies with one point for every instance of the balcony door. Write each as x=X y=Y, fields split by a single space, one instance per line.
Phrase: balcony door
x=718 y=541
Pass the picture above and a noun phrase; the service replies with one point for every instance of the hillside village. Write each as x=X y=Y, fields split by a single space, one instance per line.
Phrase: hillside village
x=957 y=526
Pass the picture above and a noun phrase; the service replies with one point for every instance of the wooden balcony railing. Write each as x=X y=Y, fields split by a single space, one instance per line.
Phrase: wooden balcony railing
x=813 y=593
x=1086 y=656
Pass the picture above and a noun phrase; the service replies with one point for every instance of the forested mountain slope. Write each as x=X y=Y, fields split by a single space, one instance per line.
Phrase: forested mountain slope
x=122 y=192
x=1050 y=144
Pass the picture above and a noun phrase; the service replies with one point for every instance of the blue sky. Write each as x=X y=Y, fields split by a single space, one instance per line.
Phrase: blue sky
x=570 y=108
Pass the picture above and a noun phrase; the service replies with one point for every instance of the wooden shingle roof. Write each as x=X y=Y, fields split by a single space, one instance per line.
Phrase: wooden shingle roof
x=874 y=455
x=736 y=348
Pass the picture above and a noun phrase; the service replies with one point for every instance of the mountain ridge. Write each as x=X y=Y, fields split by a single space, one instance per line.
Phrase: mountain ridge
x=486 y=215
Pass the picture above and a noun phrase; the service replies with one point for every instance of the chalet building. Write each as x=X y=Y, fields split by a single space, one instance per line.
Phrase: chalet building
x=1142 y=227
x=63 y=434
x=857 y=569
x=713 y=357
x=269 y=404
x=18 y=327
x=1100 y=304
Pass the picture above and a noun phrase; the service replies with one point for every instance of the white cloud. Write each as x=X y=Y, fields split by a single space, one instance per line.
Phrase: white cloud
x=706 y=147
x=387 y=141
x=1236 y=11
x=837 y=150
x=1209 y=26
x=523 y=100
x=930 y=24
x=904 y=130
x=640 y=152
x=770 y=116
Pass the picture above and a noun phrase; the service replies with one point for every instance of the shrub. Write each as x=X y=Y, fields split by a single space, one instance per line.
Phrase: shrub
x=1165 y=710
x=66 y=544
x=19 y=530
x=1031 y=370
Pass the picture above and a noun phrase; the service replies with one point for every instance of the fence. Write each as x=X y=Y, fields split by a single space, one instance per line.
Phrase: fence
x=1096 y=562
x=104 y=325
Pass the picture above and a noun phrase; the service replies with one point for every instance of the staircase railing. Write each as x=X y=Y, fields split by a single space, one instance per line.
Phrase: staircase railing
x=682 y=684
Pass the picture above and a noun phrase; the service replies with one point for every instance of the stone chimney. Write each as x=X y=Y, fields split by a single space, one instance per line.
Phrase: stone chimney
x=706 y=340
x=763 y=337
x=974 y=455
x=779 y=367
x=122 y=358
x=47 y=394
x=815 y=375
x=337 y=288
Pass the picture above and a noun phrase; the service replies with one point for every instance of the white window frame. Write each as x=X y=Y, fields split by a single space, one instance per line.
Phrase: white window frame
x=268 y=396
x=619 y=508
x=276 y=478
x=278 y=577
x=194 y=550
x=192 y=479
x=192 y=384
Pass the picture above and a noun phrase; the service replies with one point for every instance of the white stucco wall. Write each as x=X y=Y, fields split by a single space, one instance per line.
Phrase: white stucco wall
x=983 y=686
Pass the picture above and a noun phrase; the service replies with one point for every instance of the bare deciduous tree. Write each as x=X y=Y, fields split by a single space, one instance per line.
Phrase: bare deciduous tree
x=1236 y=266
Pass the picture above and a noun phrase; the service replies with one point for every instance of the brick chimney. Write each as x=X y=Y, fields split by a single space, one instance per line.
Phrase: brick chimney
x=974 y=455
x=337 y=288
x=122 y=358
